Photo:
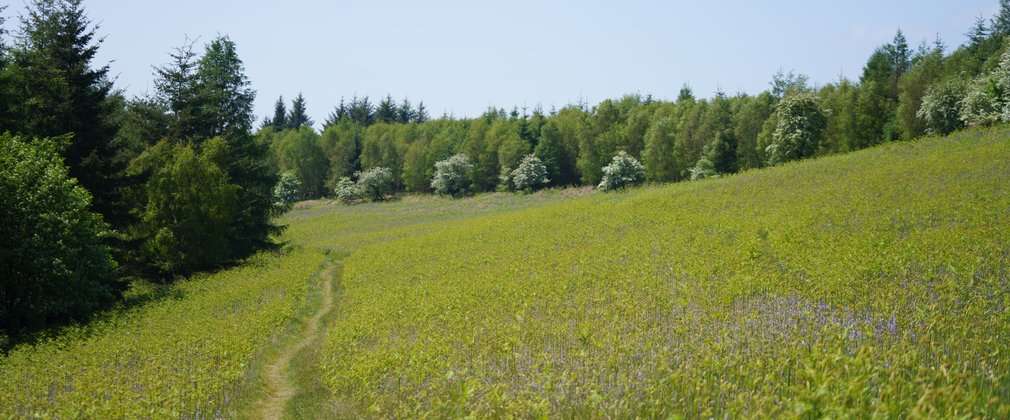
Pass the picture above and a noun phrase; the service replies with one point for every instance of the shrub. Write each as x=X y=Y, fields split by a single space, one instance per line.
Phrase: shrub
x=801 y=124
x=623 y=170
x=288 y=189
x=980 y=106
x=530 y=175
x=452 y=176
x=375 y=183
x=703 y=169
x=54 y=265
x=941 y=108
x=346 y=190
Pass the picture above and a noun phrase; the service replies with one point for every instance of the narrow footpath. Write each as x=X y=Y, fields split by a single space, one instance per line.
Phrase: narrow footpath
x=278 y=385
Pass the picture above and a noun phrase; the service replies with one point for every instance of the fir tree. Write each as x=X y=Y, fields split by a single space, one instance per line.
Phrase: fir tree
x=405 y=112
x=339 y=114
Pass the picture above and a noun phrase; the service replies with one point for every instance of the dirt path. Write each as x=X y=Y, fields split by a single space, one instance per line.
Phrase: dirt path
x=277 y=382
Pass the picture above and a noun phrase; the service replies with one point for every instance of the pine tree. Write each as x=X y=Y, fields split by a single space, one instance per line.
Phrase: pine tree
x=901 y=56
x=227 y=97
x=280 y=119
x=56 y=90
x=298 y=117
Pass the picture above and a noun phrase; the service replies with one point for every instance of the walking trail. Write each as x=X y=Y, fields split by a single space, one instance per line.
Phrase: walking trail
x=279 y=388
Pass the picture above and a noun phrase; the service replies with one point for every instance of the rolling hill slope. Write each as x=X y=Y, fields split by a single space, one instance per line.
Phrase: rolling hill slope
x=873 y=283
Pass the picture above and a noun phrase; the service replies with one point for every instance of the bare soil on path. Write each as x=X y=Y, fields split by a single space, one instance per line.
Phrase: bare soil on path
x=279 y=388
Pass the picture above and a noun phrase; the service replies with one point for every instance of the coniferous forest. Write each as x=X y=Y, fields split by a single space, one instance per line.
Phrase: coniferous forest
x=101 y=189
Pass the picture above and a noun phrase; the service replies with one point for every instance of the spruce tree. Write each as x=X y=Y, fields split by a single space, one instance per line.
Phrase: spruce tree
x=405 y=113
x=56 y=90
x=1001 y=23
x=338 y=114
x=178 y=91
x=386 y=111
x=298 y=116
x=280 y=119
x=361 y=111
x=421 y=115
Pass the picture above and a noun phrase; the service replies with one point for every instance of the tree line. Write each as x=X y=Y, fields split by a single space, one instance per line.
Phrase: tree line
x=100 y=188
x=903 y=93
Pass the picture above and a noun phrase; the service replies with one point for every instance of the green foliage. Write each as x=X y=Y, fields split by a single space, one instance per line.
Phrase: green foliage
x=190 y=207
x=288 y=189
x=188 y=351
x=299 y=151
x=623 y=171
x=452 y=176
x=53 y=265
x=57 y=90
x=703 y=169
x=800 y=128
x=341 y=144
x=867 y=284
x=530 y=175
x=375 y=184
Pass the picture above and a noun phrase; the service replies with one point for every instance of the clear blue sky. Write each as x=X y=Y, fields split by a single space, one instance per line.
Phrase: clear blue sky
x=461 y=56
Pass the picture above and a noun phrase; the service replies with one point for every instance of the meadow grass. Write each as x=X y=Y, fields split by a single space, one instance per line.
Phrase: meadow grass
x=872 y=283
x=187 y=355
x=868 y=284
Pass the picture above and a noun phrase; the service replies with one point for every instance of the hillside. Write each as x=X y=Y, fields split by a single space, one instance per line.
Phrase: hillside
x=874 y=282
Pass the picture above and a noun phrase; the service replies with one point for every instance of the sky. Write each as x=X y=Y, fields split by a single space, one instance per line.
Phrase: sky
x=460 y=57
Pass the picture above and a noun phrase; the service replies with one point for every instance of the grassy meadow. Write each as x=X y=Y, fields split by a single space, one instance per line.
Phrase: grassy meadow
x=871 y=283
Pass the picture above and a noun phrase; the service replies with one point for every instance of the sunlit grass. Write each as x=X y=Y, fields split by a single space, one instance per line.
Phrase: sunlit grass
x=874 y=283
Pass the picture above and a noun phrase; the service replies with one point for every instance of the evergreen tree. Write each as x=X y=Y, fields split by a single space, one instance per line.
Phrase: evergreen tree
x=405 y=112
x=339 y=113
x=179 y=92
x=901 y=57
x=56 y=90
x=361 y=111
x=226 y=96
x=978 y=33
x=280 y=119
x=386 y=111
x=298 y=116
x=1001 y=23
x=421 y=115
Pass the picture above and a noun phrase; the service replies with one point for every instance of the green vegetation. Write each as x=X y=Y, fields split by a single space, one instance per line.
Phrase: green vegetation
x=873 y=283
x=183 y=350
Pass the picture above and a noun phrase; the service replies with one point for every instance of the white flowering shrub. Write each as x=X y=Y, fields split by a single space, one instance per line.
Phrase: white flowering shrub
x=941 y=108
x=703 y=169
x=288 y=189
x=801 y=124
x=346 y=190
x=375 y=183
x=623 y=170
x=530 y=175
x=452 y=176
